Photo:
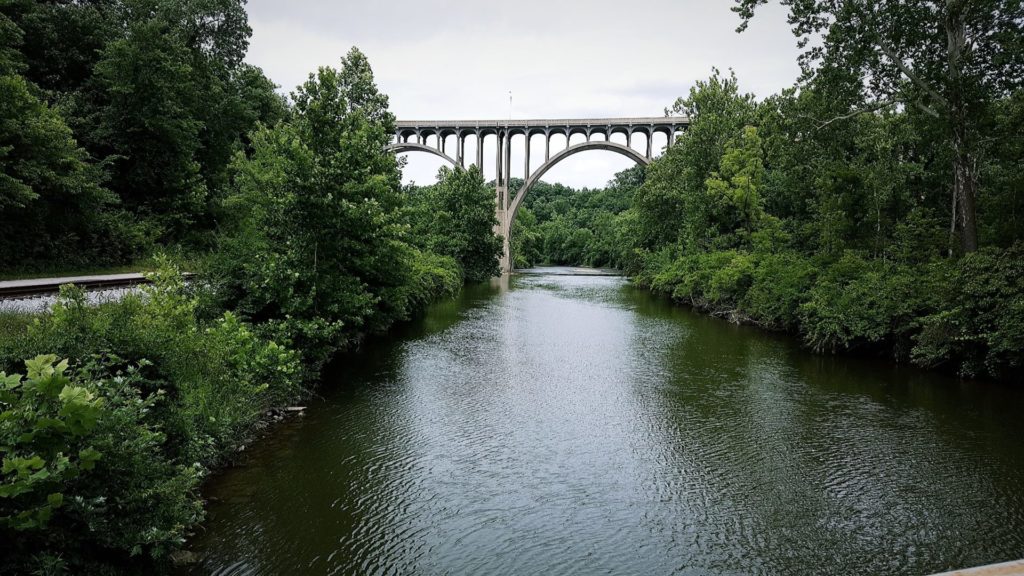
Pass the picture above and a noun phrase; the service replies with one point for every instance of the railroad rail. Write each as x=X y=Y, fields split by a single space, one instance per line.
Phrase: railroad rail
x=10 y=289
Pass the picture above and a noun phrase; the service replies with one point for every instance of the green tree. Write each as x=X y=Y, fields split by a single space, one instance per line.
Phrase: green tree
x=456 y=218
x=48 y=187
x=948 y=61
x=155 y=88
x=147 y=120
x=317 y=253
x=671 y=205
x=735 y=187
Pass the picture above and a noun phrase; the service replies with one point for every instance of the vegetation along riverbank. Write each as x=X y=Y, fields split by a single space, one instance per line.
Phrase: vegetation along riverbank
x=872 y=207
x=292 y=213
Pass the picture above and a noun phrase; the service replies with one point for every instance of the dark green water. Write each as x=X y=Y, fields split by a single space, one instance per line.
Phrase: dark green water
x=576 y=425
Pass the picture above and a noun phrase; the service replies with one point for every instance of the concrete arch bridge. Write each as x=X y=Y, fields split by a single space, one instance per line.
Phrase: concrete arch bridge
x=447 y=140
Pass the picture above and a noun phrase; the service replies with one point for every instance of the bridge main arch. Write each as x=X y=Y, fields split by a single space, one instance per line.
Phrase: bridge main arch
x=400 y=147
x=507 y=204
x=535 y=177
x=508 y=217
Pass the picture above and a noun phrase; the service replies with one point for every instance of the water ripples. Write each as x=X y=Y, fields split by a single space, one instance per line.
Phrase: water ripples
x=573 y=425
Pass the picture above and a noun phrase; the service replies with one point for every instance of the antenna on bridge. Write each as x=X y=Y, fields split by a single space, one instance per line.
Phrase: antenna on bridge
x=510 y=106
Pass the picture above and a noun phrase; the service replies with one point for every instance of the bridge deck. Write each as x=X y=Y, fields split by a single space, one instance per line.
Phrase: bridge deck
x=544 y=123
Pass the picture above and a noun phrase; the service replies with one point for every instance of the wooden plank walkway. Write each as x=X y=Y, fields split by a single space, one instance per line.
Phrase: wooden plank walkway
x=1013 y=568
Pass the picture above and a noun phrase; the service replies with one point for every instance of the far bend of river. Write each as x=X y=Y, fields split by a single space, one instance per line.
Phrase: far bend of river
x=563 y=424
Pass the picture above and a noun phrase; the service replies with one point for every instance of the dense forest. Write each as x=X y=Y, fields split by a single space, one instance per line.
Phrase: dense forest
x=129 y=126
x=875 y=206
x=559 y=225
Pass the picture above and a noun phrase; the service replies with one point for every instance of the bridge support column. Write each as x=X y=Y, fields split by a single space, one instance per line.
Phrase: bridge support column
x=503 y=228
x=414 y=136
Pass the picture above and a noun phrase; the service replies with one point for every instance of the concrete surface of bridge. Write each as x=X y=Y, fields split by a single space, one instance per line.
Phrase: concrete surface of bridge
x=432 y=137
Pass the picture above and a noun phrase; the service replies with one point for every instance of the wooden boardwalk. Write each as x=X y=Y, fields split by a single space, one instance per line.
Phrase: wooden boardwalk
x=1014 y=568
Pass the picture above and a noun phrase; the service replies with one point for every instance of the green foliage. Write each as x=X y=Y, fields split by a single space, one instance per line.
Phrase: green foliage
x=218 y=377
x=833 y=225
x=102 y=455
x=316 y=254
x=857 y=301
x=674 y=203
x=734 y=190
x=923 y=56
x=85 y=471
x=559 y=225
x=157 y=99
x=455 y=217
x=432 y=276
x=980 y=329
x=50 y=189
x=779 y=287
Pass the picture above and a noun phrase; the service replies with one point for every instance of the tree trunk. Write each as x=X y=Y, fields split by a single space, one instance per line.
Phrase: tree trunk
x=964 y=189
x=963 y=160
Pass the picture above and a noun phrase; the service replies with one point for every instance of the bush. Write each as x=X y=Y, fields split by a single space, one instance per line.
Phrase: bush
x=703 y=279
x=730 y=279
x=857 y=301
x=780 y=285
x=218 y=376
x=980 y=325
x=85 y=474
x=432 y=276
x=455 y=217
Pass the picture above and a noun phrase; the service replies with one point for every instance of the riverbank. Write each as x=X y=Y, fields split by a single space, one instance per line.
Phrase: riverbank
x=159 y=388
x=568 y=271
x=964 y=316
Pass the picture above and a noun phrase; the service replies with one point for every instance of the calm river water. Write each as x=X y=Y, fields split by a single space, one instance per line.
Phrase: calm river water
x=563 y=424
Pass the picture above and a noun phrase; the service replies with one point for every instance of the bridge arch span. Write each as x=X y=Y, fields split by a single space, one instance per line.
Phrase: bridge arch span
x=562 y=155
x=400 y=147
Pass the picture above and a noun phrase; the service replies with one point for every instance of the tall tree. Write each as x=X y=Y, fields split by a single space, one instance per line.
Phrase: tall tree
x=671 y=204
x=317 y=253
x=948 y=59
x=456 y=218
x=158 y=88
x=51 y=195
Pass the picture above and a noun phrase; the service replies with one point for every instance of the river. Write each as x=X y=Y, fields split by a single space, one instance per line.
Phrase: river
x=562 y=424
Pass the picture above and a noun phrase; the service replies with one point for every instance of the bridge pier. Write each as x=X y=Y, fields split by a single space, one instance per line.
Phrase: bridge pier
x=507 y=201
x=503 y=228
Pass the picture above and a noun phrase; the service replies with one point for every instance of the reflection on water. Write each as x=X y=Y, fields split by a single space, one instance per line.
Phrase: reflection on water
x=562 y=424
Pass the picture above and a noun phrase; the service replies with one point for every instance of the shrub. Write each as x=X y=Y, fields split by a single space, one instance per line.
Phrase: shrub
x=85 y=472
x=432 y=276
x=732 y=274
x=858 y=301
x=779 y=287
x=980 y=324
x=218 y=376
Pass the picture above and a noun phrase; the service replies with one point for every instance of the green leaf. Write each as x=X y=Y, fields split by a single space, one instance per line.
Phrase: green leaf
x=88 y=458
x=56 y=500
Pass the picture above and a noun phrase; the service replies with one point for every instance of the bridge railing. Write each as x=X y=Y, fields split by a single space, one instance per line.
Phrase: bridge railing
x=541 y=123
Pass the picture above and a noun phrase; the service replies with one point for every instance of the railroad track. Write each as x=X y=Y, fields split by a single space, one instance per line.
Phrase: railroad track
x=18 y=289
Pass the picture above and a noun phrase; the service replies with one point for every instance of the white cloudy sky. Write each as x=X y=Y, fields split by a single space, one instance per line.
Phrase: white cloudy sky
x=458 y=59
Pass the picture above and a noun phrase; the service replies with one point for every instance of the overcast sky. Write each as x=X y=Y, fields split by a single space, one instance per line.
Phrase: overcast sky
x=458 y=59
